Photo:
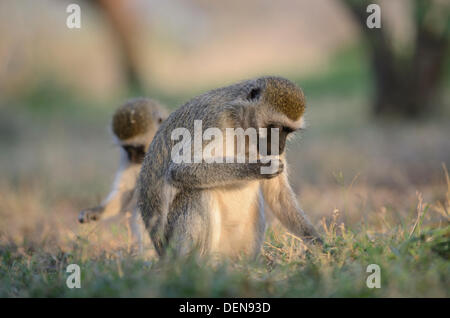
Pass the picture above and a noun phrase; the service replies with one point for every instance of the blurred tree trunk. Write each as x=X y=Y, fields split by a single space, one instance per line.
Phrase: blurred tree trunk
x=405 y=85
x=125 y=30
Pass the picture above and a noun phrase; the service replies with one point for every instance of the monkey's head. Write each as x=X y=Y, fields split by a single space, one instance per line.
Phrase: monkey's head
x=273 y=102
x=134 y=125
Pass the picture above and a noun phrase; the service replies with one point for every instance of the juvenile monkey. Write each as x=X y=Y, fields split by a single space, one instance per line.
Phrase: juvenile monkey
x=218 y=208
x=133 y=126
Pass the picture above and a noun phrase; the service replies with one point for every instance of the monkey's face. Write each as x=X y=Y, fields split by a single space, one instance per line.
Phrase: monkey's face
x=136 y=146
x=135 y=153
x=278 y=106
x=277 y=135
x=272 y=140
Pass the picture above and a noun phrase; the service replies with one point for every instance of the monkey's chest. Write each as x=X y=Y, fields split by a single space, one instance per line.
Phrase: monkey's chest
x=236 y=220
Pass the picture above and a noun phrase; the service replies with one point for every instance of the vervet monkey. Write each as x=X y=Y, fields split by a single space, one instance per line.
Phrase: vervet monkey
x=133 y=126
x=218 y=208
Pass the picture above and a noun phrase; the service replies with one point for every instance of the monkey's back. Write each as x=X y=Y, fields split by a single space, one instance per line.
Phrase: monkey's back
x=155 y=194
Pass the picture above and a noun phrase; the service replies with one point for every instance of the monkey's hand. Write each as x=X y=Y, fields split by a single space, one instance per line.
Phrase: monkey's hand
x=271 y=169
x=91 y=214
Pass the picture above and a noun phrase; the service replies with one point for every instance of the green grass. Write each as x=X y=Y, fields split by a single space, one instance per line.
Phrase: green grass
x=411 y=266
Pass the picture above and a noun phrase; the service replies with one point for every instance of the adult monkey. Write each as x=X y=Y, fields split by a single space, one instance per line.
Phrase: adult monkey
x=219 y=207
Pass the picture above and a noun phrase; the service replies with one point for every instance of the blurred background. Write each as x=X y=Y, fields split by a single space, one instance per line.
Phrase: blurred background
x=378 y=100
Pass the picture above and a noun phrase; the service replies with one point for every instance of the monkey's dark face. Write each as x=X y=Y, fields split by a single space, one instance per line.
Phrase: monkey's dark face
x=135 y=153
x=283 y=133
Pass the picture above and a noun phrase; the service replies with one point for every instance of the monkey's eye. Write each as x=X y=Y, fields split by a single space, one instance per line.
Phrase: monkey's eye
x=254 y=94
x=282 y=129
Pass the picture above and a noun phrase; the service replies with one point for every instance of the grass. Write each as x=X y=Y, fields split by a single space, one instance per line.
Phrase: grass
x=39 y=239
x=414 y=262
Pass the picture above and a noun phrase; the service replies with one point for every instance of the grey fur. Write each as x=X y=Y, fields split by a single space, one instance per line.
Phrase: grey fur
x=179 y=202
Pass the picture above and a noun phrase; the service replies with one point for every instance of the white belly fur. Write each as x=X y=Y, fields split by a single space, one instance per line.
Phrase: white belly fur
x=237 y=216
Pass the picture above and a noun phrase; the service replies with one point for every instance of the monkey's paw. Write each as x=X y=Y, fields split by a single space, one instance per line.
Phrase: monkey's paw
x=272 y=169
x=88 y=215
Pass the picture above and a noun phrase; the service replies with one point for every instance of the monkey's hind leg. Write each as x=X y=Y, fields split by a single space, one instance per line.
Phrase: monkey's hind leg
x=134 y=222
x=186 y=231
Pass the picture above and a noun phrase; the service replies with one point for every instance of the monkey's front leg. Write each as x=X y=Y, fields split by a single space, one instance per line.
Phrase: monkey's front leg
x=209 y=175
x=110 y=207
x=118 y=200
x=281 y=199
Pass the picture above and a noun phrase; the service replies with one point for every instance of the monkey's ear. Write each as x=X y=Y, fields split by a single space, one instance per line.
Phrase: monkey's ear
x=254 y=94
